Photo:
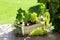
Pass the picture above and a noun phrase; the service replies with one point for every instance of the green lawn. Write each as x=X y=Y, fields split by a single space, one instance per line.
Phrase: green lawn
x=8 y=9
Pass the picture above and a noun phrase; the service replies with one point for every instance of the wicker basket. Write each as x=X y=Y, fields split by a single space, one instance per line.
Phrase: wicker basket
x=28 y=29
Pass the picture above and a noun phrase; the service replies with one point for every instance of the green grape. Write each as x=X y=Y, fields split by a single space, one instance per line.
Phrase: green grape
x=47 y=18
x=45 y=32
x=33 y=17
x=52 y=27
x=38 y=31
x=37 y=20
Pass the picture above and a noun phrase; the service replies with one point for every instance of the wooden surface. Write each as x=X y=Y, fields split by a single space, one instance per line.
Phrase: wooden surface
x=53 y=36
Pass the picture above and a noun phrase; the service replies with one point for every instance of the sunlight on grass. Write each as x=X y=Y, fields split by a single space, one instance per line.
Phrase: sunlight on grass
x=8 y=9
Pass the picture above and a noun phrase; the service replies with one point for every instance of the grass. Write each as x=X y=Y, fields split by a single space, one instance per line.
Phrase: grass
x=8 y=9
